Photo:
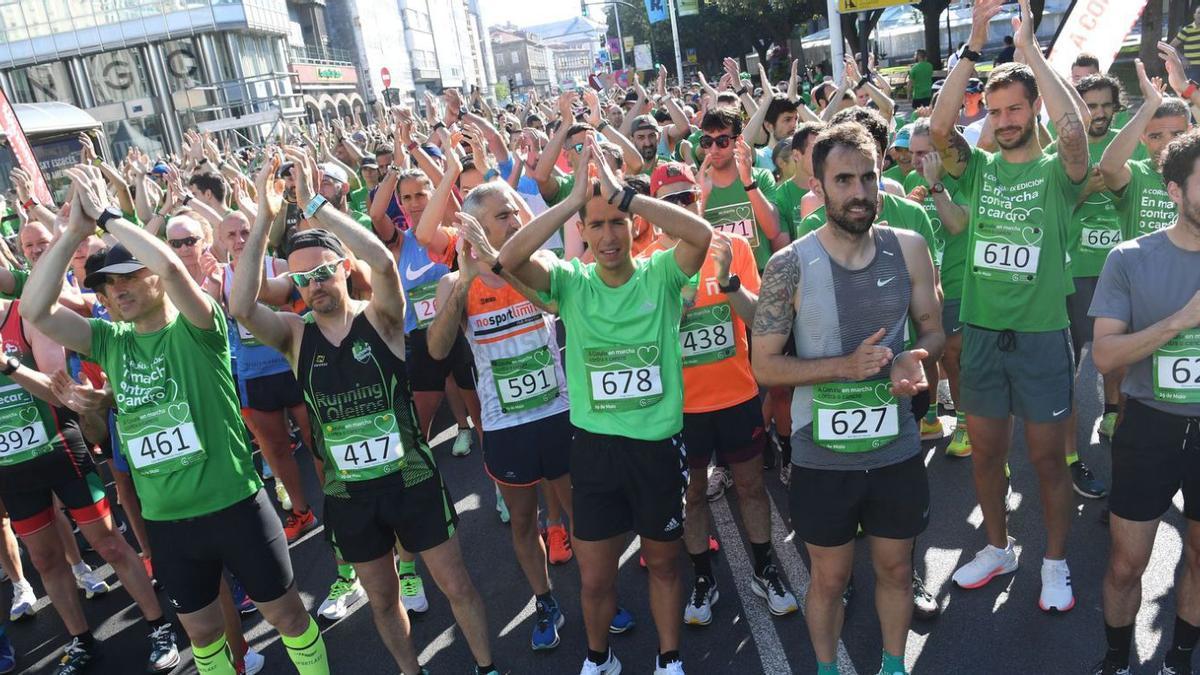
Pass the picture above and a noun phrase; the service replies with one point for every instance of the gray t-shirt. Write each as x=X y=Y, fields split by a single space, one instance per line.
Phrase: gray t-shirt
x=1143 y=282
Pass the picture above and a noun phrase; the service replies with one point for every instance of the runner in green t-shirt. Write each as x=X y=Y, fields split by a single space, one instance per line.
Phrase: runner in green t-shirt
x=737 y=194
x=1016 y=357
x=920 y=80
x=789 y=193
x=901 y=156
x=624 y=367
x=180 y=426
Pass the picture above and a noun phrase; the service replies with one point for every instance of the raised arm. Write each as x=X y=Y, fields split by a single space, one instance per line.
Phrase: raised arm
x=1114 y=167
x=633 y=159
x=543 y=173
x=950 y=144
x=430 y=232
x=953 y=216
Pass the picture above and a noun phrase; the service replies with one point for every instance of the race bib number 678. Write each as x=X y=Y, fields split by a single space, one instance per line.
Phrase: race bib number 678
x=624 y=378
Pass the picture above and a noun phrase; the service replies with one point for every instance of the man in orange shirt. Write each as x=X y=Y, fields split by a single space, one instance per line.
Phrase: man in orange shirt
x=721 y=410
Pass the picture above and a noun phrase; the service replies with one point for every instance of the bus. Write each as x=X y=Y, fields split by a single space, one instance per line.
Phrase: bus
x=52 y=130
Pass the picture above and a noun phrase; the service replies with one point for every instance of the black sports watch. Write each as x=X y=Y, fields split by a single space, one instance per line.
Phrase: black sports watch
x=971 y=55
x=10 y=365
x=106 y=215
x=734 y=285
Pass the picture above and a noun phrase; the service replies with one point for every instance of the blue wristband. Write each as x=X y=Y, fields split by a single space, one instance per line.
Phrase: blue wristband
x=314 y=205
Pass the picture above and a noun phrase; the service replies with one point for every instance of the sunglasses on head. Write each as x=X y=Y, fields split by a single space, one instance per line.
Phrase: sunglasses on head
x=319 y=273
x=686 y=198
x=722 y=141
x=186 y=241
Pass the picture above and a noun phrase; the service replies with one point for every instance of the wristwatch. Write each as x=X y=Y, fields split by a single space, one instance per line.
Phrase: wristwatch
x=314 y=205
x=938 y=187
x=11 y=365
x=735 y=284
x=971 y=55
x=106 y=215
x=752 y=186
x=743 y=91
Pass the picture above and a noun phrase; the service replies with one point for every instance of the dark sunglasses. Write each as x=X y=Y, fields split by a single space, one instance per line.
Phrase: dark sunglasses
x=681 y=198
x=578 y=147
x=186 y=241
x=722 y=141
x=319 y=273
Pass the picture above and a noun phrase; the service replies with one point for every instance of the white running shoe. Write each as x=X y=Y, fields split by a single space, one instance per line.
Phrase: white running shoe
x=412 y=593
x=610 y=667
x=1056 y=587
x=698 y=611
x=23 y=601
x=943 y=395
x=769 y=587
x=342 y=595
x=89 y=583
x=989 y=563
x=254 y=662
x=462 y=443
x=718 y=481
x=281 y=493
x=673 y=668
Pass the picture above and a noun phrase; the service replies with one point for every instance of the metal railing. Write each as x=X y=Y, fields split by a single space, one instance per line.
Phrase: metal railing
x=318 y=54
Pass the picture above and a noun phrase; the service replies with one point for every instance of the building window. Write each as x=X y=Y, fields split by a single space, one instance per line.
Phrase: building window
x=118 y=76
x=43 y=83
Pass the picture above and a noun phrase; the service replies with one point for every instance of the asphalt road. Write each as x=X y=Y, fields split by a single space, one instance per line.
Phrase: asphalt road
x=997 y=629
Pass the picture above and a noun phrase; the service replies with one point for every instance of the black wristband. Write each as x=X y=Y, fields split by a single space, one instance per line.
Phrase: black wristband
x=743 y=91
x=865 y=79
x=750 y=187
x=497 y=269
x=10 y=366
x=628 y=194
x=971 y=55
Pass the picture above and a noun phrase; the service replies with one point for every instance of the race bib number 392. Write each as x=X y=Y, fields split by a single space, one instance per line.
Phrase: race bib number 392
x=624 y=378
x=1176 y=368
x=22 y=432
x=1007 y=252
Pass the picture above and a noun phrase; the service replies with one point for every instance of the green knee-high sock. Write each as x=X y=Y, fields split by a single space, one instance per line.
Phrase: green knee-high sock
x=213 y=659
x=931 y=415
x=307 y=651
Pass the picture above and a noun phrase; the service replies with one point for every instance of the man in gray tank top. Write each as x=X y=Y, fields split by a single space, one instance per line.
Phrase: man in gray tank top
x=846 y=291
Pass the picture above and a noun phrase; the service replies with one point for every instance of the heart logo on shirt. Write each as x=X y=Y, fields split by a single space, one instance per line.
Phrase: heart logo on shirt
x=29 y=415
x=1032 y=235
x=721 y=312
x=648 y=354
x=172 y=390
x=178 y=412
x=883 y=392
x=542 y=357
x=383 y=423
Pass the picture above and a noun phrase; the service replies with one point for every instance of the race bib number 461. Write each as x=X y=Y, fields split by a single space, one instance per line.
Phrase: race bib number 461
x=161 y=439
x=1006 y=252
x=1177 y=369
x=624 y=378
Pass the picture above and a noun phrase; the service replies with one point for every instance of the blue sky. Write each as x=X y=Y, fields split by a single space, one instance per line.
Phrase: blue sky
x=530 y=13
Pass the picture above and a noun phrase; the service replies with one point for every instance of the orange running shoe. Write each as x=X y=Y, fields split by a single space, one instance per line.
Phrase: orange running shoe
x=297 y=524
x=560 y=544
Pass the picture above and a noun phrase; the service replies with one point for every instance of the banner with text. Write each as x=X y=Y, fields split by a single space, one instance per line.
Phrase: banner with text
x=15 y=137
x=689 y=7
x=1095 y=27
x=656 y=10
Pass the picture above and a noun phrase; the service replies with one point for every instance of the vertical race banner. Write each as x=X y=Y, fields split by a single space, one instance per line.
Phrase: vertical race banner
x=15 y=136
x=1096 y=27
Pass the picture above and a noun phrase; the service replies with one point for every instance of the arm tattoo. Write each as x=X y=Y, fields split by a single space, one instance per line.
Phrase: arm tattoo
x=776 y=297
x=959 y=149
x=1072 y=141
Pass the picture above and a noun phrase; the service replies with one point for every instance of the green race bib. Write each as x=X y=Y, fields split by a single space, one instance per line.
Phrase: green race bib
x=855 y=416
x=367 y=447
x=734 y=219
x=624 y=378
x=1101 y=233
x=525 y=382
x=422 y=300
x=22 y=432
x=706 y=335
x=1007 y=252
x=1177 y=369
x=160 y=439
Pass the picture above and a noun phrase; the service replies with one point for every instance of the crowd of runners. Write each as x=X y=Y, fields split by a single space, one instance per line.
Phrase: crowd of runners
x=631 y=300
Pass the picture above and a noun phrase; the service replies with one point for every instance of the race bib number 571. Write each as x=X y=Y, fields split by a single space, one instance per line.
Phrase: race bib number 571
x=624 y=378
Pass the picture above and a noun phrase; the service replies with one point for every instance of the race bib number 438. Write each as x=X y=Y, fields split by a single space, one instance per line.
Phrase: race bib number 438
x=1177 y=369
x=624 y=378
x=1006 y=252
x=706 y=335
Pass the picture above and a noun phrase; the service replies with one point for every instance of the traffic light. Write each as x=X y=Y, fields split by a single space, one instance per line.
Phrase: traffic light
x=583 y=10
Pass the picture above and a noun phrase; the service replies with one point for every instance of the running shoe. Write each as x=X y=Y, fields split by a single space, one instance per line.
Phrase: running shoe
x=1106 y=668
x=1108 y=425
x=1168 y=670
x=988 y=563
x=23 y=601
x=343 y=594
x=412 y=593
x=960 y=443
x=673 y=668
x=623 y=621
x=296 y=524
x=281 y=493
x=75 y=658
x=931 y=431
x=769 y=586
x=547 y=620
x=1056 y=587
x=8 y=655
x=943 y=396
x=91 y=585
x=501 y=507
x=560 y=544
x=718 y=481
x=610 y=667
x=252 y=663
x=698 y=611
x=164 y=655
x=785 y=474
x=925 y=606
x=462 y=443
x=240 y=600
x=1085 y=482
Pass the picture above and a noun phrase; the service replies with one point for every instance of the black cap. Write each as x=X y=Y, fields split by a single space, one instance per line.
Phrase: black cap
x=368 y=163
x=315 y=238
x=113 y=260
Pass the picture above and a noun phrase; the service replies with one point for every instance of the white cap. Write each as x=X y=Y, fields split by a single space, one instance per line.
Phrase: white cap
x=334 y=172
